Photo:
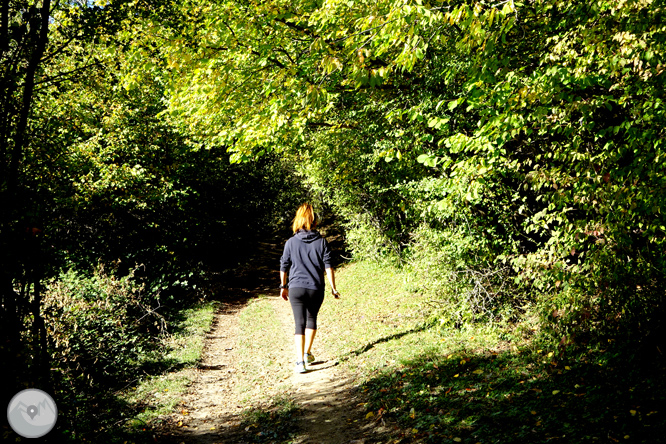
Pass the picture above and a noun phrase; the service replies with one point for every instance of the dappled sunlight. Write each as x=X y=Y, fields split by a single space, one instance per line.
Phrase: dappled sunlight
x=519 y=397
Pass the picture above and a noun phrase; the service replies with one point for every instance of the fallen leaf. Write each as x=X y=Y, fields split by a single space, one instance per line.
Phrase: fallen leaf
x=412 y=413
x=478 y=372
x=456 y=439
x=369 y=415
x=633 y=412
x=555 y=392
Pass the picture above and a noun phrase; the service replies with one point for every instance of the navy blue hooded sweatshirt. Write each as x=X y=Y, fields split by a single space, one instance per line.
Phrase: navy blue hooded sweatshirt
x=306 y=257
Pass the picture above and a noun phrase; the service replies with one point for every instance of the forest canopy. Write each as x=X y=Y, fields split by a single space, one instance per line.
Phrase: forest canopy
x=519 y=140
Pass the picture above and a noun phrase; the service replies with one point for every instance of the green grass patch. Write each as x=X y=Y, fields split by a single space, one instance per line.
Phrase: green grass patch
x=263 y=375
x=272 y=423
x=186 y=343
x=263 y=371
x=378 y=323
x=483 y=383
x=156 y=395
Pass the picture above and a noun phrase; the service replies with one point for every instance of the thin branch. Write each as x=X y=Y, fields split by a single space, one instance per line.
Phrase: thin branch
x=55 y=78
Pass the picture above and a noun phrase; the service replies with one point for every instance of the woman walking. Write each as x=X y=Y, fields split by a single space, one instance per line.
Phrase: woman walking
x=306 y=258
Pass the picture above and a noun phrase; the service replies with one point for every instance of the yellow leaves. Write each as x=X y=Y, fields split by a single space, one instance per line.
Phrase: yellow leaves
x=361 y=53
x=330 y=64
x=455 y=16
x=624 y=36
x=412 y=413
x=370 y=415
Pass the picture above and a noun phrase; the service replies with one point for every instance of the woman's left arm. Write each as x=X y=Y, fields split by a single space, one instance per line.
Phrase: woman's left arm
x=285 y=265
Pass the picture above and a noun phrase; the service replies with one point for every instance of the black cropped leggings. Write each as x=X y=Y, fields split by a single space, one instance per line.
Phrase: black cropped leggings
x=305 y=304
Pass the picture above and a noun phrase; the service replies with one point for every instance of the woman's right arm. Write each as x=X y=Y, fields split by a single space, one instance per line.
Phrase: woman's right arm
x=330 y=274
x=284 y=292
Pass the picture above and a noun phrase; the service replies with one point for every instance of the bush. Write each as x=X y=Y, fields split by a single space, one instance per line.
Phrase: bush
x=99 y=325
x=465 y=290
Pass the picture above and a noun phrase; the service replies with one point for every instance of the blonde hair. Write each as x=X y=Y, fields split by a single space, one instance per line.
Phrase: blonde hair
x=305 y=218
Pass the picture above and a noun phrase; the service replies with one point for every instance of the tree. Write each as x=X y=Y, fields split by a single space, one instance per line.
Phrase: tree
x=541 y=122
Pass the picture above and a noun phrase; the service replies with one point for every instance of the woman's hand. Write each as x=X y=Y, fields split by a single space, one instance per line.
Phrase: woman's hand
x=284 y=293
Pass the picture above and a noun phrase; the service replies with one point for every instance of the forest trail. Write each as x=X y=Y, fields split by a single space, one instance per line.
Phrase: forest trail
x=329 y=407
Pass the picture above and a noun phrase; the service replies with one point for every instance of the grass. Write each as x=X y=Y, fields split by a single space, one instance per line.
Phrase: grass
x=480 y=383
x=378 y=324
x=263 y=377
x=273 y=423
x=156 y=395
x=186 y=344
x=472 y=384
x=263 y=369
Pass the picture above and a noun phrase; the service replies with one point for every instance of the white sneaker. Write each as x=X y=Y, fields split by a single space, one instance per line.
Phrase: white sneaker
x=308 y=358
x=300 y=367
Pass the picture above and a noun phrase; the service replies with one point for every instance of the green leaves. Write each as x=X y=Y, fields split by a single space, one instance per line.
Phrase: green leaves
x=537 y=122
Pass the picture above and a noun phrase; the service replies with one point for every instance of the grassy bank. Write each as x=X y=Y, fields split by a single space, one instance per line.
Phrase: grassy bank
x=483 y=383
x=157 y=393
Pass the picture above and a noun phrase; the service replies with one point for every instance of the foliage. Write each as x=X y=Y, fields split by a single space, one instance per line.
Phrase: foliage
x=112 y=341
x=528 y=133
x=508 y=153
x=91 y=172
x=100 y=326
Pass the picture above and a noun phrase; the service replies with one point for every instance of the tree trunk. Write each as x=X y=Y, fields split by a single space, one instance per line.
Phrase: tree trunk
x=11 y=323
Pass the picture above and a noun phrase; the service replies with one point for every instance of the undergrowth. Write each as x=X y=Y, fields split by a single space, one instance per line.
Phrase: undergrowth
x=485 y=382
x=119 y=364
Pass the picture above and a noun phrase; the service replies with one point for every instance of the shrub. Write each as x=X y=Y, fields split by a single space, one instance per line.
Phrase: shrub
x=99 y=325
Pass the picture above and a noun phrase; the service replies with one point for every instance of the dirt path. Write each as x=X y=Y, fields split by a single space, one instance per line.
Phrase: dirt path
x=325 y=393
x=329 y=405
